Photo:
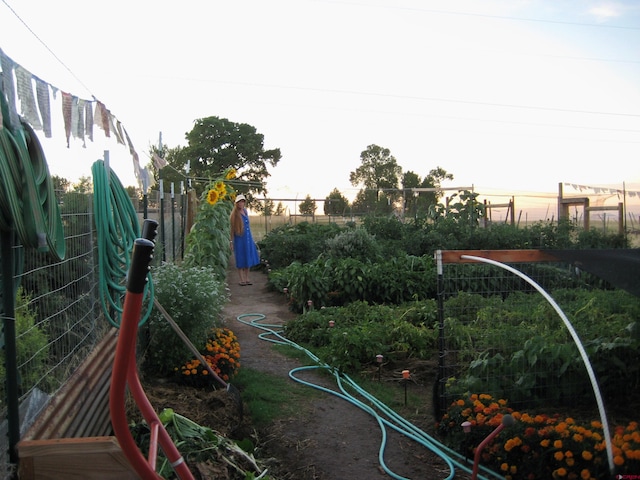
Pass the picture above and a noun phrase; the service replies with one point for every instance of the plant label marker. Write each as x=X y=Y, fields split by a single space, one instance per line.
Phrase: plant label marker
x=379 y=358
x=405 y=380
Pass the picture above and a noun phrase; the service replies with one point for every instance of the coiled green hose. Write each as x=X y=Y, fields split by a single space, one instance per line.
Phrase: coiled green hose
x=385 y=416
x=117 y=228
x=27 y=198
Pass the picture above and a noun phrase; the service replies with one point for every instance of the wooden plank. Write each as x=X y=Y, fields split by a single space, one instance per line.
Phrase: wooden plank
x=69 y=406
x=90 y=458
x=503 y=256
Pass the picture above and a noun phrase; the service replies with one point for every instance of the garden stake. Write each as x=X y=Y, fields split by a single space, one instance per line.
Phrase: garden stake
x=466 y=428
x=379 y=360
x=405 y=377
x=507 y=421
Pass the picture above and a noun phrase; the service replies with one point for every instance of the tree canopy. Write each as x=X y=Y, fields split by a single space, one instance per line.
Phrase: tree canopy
x=216 y=144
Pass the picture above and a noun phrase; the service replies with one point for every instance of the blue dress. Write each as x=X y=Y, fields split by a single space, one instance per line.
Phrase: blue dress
x=244 y=248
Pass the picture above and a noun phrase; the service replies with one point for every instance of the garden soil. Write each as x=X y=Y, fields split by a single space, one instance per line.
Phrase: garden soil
x=326 y=438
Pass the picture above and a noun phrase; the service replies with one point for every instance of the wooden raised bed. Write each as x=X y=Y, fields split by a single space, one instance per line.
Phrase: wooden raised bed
x=73 y=438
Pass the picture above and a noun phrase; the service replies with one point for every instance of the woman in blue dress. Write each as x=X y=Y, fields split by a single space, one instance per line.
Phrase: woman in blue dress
x=242 y=244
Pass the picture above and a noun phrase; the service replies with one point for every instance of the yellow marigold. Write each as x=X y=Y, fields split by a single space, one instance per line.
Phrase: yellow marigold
x=587 y=455
x=526 y=418
x=213 y=196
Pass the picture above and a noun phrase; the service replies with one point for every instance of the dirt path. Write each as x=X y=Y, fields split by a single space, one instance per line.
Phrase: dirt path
x=329 y=439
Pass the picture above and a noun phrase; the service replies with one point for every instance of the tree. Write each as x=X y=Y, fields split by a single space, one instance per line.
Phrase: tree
x=379 y=172
x=307 y=206
x=279 y=210
x=422 y=201
x=268 y=208
x=335 y=203
x=216 y=144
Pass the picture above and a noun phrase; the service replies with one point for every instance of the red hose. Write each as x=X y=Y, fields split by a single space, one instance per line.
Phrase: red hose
x=125 y=373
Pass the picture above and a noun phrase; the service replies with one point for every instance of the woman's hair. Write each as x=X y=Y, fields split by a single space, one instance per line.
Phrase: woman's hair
x=237 y=225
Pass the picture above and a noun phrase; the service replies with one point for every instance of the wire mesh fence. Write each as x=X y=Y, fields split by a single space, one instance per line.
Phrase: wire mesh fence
x=59 y=317
x=501 y=333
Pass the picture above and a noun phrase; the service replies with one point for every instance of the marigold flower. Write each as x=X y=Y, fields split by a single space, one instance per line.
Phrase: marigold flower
x=561 y=472
x=618 y=460
x=587 y=455
x=558 y=455
x=585 y=474
x=557 y=444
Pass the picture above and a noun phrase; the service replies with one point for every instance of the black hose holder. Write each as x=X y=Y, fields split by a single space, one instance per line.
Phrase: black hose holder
x=140 y=260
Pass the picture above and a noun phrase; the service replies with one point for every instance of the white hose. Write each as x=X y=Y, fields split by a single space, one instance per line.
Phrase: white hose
x=576 y=339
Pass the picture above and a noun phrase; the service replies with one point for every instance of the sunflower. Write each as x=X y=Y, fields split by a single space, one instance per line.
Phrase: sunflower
x=213 y=196
x=231 y=174
x=221 y=188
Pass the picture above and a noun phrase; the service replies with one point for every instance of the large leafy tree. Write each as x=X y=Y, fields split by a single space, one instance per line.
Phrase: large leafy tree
x=216 y=144
x=378 y=172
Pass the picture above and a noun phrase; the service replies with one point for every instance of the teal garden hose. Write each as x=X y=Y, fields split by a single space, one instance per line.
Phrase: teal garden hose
x=385 y=416
x=117 y=227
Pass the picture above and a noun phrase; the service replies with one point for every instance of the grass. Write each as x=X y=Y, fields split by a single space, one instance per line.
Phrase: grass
x=270 y=397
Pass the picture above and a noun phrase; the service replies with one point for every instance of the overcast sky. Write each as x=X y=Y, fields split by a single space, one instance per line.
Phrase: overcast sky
x=506 y=95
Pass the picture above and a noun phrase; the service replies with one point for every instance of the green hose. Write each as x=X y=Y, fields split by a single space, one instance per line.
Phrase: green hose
x=117 y=229
x=27 y=198
x=385 y=416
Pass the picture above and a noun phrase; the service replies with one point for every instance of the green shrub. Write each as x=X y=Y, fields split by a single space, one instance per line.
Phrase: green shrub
x=362 y=331
x=194 y=297
x=355 y=243
x=302 y=243
x=31 y=347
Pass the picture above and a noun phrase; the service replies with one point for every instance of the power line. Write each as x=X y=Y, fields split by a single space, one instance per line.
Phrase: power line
x=43 y=43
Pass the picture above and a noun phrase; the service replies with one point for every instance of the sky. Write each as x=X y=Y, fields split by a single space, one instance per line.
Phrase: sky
x=509 y=96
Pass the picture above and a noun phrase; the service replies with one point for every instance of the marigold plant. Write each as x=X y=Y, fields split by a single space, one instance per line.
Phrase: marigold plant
x=222 y=353
x=539 y=446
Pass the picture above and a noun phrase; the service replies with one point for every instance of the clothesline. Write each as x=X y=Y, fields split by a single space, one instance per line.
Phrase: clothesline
x=79 y=115
x=600 y=190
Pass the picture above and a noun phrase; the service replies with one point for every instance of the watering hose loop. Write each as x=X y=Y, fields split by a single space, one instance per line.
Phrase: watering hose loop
x=384 y=416
x=27 y=198
x=117 y=228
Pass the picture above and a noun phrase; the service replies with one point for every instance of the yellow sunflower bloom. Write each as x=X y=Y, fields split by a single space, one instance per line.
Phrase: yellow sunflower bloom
x=212 y=197
x=231 y=174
